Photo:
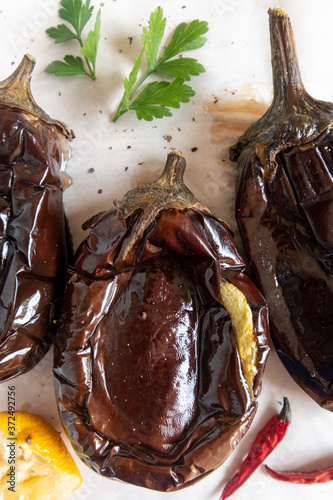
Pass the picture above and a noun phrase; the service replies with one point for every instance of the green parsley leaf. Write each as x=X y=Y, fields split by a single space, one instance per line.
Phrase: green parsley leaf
x=61 y=33
x=184 y=68
x=148 y=112
x=71 y=67
x=77 y=14
x=152 y=36
x=90 y=49
x=130 y=81
x=156 y=98
x=186 y=38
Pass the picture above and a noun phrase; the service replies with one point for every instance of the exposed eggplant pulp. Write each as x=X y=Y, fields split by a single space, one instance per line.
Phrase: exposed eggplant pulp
x=162 y=339
x=284 y=209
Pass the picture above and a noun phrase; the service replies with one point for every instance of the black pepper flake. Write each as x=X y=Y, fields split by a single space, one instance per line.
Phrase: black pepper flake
x=194 y=149
x=100 y=191
x=91 y=170
x=130 y=38
x=126 y=168
x=129 y=147
x=28 y=440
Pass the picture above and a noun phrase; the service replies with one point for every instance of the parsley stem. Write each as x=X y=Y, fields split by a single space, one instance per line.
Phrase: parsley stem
x=139 y=83
x=157 y=97
x=91 y=70
x=122 y=108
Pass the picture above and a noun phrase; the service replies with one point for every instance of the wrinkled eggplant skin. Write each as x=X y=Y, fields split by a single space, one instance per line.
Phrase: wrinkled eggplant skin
x=284 y=209
x=32 y=239
x=310 y=171
x=147 y=374
x=290 y=269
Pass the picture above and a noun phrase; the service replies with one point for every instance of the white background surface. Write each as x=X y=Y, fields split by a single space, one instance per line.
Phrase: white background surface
x=237 y=61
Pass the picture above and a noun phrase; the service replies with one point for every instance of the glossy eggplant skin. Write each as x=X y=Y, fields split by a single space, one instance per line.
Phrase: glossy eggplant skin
x=147 y=373
x=32 y=233
x=284 y=208
x=310 y=170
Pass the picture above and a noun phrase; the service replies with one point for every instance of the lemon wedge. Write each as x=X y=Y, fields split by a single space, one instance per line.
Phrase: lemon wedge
x=35 y=463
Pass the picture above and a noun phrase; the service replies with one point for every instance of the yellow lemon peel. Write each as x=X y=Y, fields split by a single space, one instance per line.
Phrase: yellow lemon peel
x=241 y=319
x=35 y=459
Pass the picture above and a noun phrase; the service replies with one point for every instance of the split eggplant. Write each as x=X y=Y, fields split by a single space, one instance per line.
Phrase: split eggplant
x=33 y=147
x=162 y=339
x=284 y=209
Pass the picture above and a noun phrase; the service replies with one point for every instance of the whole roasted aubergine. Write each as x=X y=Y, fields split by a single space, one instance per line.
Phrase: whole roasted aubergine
x=32 y=224
x=162 y=340
x=284 y=208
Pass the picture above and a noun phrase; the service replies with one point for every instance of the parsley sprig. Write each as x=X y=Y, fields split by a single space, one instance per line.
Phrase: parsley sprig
x=77 y=14
x=156 y=98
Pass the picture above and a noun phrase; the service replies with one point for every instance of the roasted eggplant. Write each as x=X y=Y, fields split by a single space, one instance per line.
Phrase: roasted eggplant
x=33 y=246
x=162 y=339
x=284 y=209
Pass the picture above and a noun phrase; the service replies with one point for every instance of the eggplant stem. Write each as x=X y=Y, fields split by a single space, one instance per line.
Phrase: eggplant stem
x=287 y=80
x=294 y=118
x=167 y=192
x=15 y=94
x=15 y=90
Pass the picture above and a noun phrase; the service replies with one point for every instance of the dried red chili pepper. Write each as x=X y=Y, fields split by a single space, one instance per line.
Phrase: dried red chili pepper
x=266 y=441
x=284 y=207
x=162 y=339
x=311 y=477
x=32 y=229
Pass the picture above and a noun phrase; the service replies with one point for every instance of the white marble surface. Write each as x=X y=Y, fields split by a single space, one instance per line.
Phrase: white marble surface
x=237 y=61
